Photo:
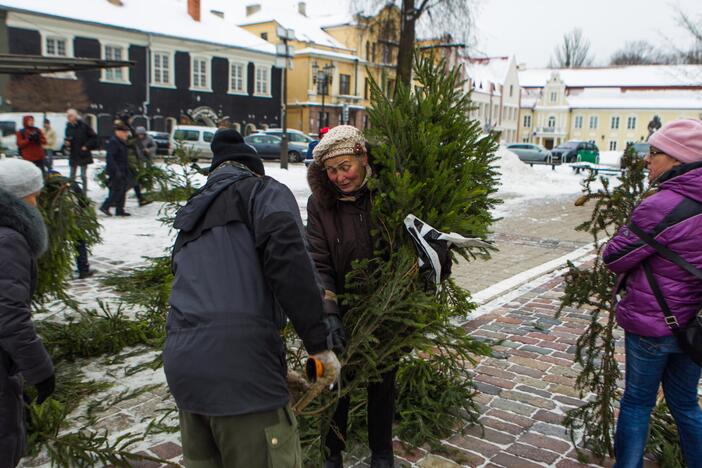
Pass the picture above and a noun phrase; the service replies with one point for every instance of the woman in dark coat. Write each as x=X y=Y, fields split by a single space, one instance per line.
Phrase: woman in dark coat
x=22 y=354
x=338 y=232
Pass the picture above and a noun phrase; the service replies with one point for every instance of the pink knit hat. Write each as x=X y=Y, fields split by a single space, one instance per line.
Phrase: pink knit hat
x=680 y=139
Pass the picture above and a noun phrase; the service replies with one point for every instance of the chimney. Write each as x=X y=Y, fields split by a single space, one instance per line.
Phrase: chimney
x=116 y=2
x=194 y=9
x=217 y=13
x=252 y=9
x=302 y=8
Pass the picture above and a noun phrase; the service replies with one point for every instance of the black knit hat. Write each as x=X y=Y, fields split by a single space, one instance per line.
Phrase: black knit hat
x=228 y=145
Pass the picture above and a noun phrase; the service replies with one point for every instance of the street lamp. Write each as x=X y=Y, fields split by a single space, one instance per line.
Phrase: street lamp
x=325 y=76
x=285 y=51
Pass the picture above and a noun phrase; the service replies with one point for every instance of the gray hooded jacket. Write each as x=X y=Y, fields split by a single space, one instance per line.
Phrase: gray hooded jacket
x=240 y=262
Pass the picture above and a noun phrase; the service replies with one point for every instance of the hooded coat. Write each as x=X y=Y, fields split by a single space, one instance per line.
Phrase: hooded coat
x=338 y=229
x=240 y=266
x=673 y=216
x=30 y=141
x=80 y=135
x=22 y=355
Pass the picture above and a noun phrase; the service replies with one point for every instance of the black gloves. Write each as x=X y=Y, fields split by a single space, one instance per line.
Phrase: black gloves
x=45 y=388
x=34 y=137
x=336 y=338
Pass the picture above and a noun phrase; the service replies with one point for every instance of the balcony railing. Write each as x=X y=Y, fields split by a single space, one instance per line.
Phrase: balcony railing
x=550 y=130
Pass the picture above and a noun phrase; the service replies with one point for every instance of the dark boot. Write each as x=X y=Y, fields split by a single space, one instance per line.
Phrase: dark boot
x=144 y=202
x=105 y=210
x=334 y=461
x=85 y=274
x=382 y=461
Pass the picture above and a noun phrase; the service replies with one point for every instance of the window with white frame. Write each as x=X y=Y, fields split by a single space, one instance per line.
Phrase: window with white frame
x=578 y=121
x=55 y=46
x=613 y=145
x=615 y=122
x=551 y=123
x=161 y=68
x=114 y=52
x=199 y=73
x=631 y=123
x=554 y=96
x=593 y=121
x=237 y=77
x=263 y=81
x=527 y=121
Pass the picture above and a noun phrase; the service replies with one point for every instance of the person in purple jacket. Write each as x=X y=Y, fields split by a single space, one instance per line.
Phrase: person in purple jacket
x=673 y=216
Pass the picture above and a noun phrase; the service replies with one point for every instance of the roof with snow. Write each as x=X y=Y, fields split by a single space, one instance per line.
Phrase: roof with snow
x=306 y=29
x=644 y=76
x=159 y=17
x=616 y=98
x=484 y=71
x=329 y=54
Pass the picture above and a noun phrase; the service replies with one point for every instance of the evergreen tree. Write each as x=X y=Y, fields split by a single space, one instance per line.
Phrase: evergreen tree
x=589 y=287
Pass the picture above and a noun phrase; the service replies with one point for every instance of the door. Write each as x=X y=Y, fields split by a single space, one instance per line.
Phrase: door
x=548 y=143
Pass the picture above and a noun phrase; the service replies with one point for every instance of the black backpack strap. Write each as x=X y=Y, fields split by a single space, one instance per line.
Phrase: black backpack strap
x=670 y=319
x=665 y=252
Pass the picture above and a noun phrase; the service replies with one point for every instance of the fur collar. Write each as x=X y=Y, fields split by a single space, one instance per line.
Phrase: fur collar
x=26 y=220
x=322 y=189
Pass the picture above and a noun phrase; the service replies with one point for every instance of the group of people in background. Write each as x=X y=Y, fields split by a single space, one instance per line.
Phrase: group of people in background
x=241 y=240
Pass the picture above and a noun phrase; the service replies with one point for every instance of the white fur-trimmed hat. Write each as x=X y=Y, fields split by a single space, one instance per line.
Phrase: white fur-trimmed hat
x=20 y=177
x=339 y=141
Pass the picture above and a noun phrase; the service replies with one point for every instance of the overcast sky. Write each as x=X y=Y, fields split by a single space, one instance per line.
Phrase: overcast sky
x=530 y=29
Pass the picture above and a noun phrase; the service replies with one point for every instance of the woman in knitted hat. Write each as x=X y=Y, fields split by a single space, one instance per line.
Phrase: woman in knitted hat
x=22 y=355
x=338 y=231
x=673 y=216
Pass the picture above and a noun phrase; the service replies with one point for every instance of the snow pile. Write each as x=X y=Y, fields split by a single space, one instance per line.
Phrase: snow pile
x=519 y=180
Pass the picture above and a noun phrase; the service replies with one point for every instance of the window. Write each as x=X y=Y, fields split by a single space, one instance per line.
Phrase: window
x=554 y=96
x=578 y=121
x=114 y=52
x=551 y=122
x=207 y=136
x=56 y=46
x=373 y=52
x=199 y=66
x=613 y=145
x=593 y=121
x=615 y=122
x=366 y=89
x=387 y=55
x=511 y=90
x=368 y=53
x=237 y=77
x=186 y=135
x=161 y=73
x=527 y=121
x=344 y=84
x=631 y=123
x=264 y=36
x=263 y=82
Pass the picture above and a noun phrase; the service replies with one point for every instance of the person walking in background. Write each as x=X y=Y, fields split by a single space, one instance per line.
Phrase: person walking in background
x=673 y=217
x=117 y=170
x=311 y=146
x=338 y=232
x=240 y=241
x=144 y=148
x=23 y=357
x=79 y=140
x=30 y=143
x=51 y=140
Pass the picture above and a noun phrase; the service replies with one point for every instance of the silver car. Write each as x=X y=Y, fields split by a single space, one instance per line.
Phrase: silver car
x=530 y=153
x=194 y=138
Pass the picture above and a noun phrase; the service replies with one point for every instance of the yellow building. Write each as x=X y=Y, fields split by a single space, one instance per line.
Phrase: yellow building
x=610 y=106
x=328 y=81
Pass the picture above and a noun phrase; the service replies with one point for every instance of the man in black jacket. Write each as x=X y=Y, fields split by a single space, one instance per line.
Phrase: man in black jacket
x=241 y=266
x=79 y=140
x=22 y=355
x=117 y=170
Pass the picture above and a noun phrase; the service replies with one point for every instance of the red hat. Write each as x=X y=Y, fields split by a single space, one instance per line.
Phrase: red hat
x=323 y=131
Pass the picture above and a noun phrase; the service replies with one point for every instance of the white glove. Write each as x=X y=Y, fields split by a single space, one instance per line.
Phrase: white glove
x=332 y=367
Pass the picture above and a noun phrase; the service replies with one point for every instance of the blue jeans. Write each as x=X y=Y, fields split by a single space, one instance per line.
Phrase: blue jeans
x=650 y=361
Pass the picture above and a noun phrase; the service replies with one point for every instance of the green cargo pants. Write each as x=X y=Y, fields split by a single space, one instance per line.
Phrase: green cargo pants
x=260 y=440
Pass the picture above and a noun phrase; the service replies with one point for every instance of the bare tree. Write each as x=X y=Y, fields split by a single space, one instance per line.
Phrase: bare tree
x=38 y=93
x=694 y=27
x=639 y=53
x=573 y=52
x=441 y=17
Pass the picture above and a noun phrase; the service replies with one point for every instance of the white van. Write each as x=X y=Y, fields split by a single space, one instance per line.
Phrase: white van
x=193 y=137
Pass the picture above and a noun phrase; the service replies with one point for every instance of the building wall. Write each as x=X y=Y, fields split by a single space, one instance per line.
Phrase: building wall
x=107 y=99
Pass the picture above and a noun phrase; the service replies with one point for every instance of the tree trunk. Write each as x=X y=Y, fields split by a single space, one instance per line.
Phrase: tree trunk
x=405 y=53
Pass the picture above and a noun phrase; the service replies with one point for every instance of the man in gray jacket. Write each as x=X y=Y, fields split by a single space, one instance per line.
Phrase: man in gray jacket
x=22 y=355
x=241 y=267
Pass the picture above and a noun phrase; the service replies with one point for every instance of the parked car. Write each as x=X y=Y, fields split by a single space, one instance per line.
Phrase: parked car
x=268 y=147
x=530 y=153
x=193 y=137
x=576 y=151
x=294 y=136
x=162 y=140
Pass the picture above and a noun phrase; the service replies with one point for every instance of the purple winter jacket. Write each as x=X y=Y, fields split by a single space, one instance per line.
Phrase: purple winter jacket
x=674 y=217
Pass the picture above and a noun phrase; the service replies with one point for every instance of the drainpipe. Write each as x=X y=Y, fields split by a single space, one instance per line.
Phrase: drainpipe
x=147 y=94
